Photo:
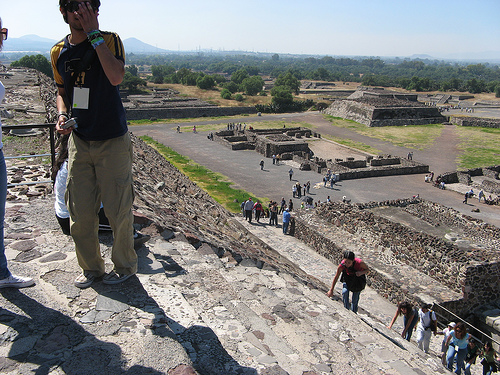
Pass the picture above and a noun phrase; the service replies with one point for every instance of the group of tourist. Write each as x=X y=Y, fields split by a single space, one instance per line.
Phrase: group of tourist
x=458 y=349
x=237 y=127
x=299 y=190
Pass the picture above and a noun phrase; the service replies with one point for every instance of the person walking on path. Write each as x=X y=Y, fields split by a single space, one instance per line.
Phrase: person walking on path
x=410 y=319
x=286 y=220
x=290 y=174
x=261 y=165
x=426 y=325
x=257 y=207
x=7 y=279
x=353 y=271
x=88 y=66
x=282 y=205
x=248 y=209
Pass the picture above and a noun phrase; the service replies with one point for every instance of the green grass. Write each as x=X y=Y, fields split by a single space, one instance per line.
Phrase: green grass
x=480 y=147
x=417 y=137
x=255 y=125
x=215 y=184
x=353 y=144
x=184 y=120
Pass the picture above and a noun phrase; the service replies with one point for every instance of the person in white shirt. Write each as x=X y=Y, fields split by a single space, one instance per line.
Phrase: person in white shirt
x=426 y=325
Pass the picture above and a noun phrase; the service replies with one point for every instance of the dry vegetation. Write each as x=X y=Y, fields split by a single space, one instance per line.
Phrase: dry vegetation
x=213 y=96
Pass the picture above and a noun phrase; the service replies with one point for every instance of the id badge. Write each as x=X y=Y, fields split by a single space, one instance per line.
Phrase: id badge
x=81 y=97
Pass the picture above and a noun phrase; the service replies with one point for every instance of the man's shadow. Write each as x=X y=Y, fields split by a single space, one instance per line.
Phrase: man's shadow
x=48 y=338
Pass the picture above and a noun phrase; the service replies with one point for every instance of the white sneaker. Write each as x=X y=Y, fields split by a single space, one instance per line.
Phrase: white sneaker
x=14 y=281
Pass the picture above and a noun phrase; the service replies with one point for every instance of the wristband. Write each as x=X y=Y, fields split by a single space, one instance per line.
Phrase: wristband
x=93 y=32
x=62 y=114
x=97 y=42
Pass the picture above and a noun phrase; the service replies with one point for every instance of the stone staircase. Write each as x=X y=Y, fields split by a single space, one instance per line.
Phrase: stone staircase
x=189 y=307
x=240 y=319
x=443 y=99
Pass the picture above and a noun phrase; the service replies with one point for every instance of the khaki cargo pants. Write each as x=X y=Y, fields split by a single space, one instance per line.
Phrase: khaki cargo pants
x=101 y=171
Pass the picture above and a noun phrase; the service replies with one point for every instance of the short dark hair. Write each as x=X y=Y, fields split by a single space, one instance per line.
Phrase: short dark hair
x=349 y=255
x=95 y=3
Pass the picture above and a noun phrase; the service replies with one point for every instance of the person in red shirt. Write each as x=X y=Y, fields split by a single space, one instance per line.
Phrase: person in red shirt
x=353 y=271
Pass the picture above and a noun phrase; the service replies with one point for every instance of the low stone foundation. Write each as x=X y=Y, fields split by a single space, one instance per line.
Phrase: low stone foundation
x=491 y=184
x=475 y=121
x=376 y=112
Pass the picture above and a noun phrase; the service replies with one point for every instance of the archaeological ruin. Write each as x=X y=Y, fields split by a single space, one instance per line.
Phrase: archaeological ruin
x=430 y=262
x=378 y=107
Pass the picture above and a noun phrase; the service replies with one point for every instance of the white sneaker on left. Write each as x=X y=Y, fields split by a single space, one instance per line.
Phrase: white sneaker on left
x=14 y=281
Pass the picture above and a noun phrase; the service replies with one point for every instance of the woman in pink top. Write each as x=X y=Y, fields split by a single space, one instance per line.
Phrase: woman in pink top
x=353 y=272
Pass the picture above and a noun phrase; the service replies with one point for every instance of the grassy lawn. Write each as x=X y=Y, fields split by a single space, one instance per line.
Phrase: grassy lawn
x=480 y=147
x=353 y=144
x=255 y=125
x=215 y=184
x=417 y=137
x=186 y=120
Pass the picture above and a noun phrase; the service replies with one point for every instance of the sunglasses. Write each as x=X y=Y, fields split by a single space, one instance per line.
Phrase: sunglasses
x=73 y=6
x=4 y=33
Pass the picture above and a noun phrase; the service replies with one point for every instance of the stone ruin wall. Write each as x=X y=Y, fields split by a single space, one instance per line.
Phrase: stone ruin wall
x=378 y=112
x=475 y=121
x=465 y=177
x=474 y=273
x=383 y=165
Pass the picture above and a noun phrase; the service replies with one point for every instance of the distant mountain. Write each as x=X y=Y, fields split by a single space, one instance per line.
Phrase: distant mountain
x=422 y=57
x=29 y=43
x=133 y=45
x=36 y=44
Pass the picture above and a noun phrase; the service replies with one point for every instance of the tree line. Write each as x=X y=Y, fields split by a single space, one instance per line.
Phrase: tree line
x=417 y=75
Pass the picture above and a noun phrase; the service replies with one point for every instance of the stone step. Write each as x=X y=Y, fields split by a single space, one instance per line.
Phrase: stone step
x=268 y=320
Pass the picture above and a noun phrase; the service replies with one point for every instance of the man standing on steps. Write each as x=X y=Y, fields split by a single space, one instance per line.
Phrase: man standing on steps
x=88 y=66
x=426 y=326
x=286 y=220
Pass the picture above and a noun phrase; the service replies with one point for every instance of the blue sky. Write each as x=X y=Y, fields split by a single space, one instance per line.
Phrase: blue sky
x=323 y=27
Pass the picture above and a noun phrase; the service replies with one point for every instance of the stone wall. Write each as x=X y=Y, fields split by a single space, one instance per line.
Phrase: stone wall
x=160 y=113
x=474 y=272
x=475 y=121
x=384 y=161
x=491 y=185
x=378 y=112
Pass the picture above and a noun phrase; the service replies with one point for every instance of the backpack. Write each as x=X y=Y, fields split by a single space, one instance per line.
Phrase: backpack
x=354 y=283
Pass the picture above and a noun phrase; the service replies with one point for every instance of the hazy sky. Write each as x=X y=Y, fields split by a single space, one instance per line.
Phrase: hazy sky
x=323 y=27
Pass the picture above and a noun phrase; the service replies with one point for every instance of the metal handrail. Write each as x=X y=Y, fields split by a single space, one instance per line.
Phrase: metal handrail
x=467 y=323
x=52 y=141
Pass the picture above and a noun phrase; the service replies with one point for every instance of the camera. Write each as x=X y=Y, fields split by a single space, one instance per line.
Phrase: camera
x=71 y=123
